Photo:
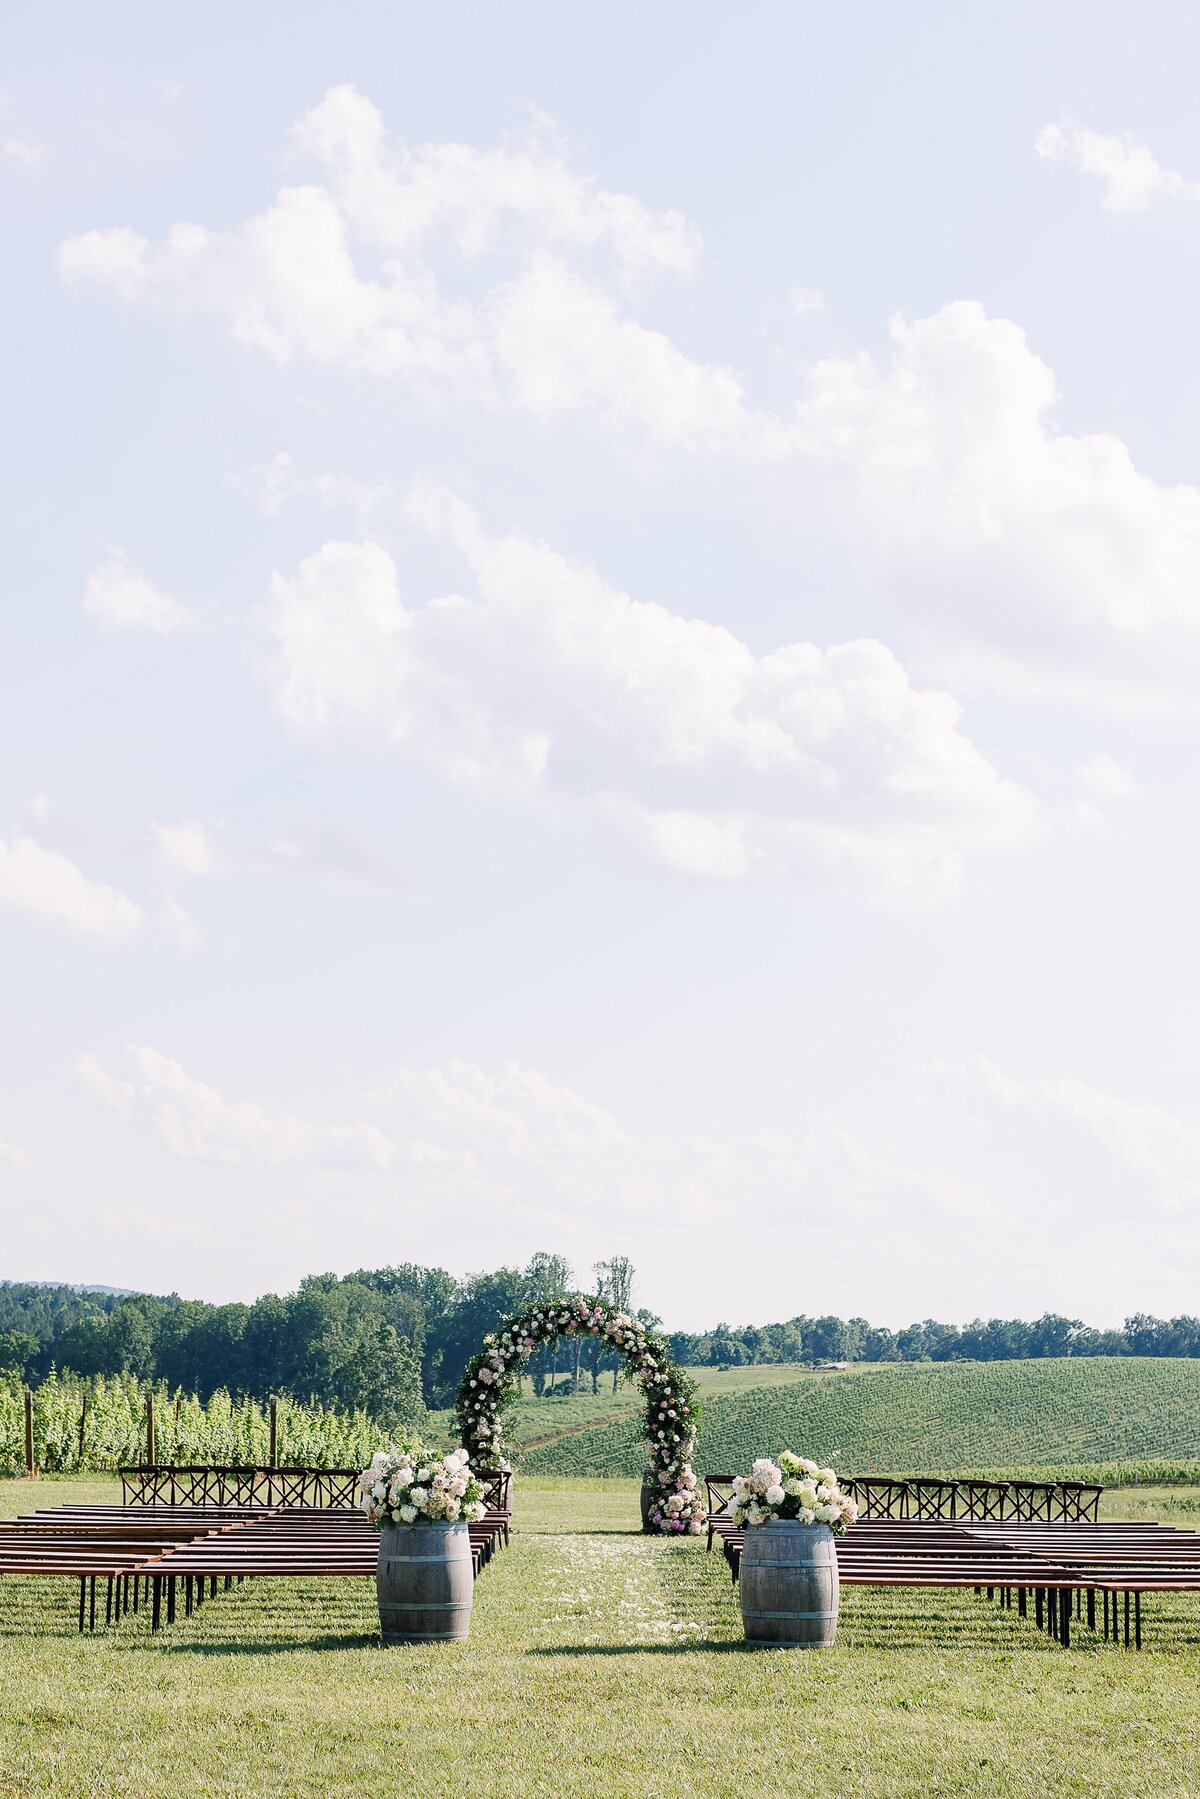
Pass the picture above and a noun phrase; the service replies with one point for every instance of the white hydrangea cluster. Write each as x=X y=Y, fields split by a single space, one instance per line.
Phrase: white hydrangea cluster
x=792 y=1488
x=411 y=1487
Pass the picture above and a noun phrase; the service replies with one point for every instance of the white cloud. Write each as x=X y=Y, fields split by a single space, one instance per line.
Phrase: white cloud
x=24 y=150
x=12 y=1158
x=178 y=926
x=1106 y=778
x=278 y=483
x=38 y=883
x=119 y=597
x=551 y=1157
x=804 y=300
x=399 y=197
x=543 y=336
x=1034 y=560
x=517 y=1156
x=1140 y=1154
x=195 y=1123
x=187 y=847
x=1133 y=177
x=553 y=688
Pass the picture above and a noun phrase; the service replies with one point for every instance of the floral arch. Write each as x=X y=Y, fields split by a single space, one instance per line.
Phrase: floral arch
x=671 y=1502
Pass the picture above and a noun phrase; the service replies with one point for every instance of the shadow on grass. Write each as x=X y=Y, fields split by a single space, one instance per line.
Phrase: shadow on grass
x=267 y=1646
x=721 y=1645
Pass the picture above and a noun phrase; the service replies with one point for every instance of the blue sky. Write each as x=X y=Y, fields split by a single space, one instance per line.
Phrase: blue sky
x=599 y=651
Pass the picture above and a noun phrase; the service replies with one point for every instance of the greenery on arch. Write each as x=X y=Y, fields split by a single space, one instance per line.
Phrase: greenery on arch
x=492 y=1382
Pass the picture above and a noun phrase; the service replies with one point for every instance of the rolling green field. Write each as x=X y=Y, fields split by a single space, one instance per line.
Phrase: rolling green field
x=600 y=1662
x=1077 y=1414
x=533 y=1419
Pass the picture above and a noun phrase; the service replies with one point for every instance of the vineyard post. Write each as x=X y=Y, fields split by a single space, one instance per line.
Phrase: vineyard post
x=82 y=1427
x=273 y=1455
x=30 y=1470
x=150 y=1429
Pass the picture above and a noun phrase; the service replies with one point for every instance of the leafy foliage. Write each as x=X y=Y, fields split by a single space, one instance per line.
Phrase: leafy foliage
x=112 y=1430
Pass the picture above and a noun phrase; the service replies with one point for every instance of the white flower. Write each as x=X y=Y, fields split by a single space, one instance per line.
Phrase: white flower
x=408 y=1513
x=774 y=1495
x=418 y=1495
x=423 y=1476
x=807 y=1515
x=792 y=1487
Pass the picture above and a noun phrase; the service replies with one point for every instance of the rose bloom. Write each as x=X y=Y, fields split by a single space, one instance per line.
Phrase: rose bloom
x=408 y=1513
x=774 y=1495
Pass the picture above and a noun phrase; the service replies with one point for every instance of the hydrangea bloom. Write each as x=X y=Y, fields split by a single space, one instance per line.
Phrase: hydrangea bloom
x=792 y=1488
x=404 y=1486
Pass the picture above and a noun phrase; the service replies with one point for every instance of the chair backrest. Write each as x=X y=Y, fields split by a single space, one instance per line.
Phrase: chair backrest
x=497 y=1488
x=719 y=1491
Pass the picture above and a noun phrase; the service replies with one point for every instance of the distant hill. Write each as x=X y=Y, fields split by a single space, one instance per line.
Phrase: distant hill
x=84 y=1287
x=1058 y=1413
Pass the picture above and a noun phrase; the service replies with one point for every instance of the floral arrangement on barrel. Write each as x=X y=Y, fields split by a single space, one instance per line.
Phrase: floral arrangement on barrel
x=492 y=1381
x=793 y=1489
x=408 y=1486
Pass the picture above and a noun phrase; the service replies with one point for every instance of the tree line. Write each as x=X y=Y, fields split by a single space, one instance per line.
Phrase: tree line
x=829 y=1339
x=387 y=1341
x=391 y=1341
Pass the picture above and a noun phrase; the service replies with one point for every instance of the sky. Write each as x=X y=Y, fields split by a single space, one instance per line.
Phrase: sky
x=599 y=651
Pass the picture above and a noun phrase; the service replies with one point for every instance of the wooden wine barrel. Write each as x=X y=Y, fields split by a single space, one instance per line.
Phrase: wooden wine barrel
x=424 y=1583
x=649 y=1495
x=789 y=1585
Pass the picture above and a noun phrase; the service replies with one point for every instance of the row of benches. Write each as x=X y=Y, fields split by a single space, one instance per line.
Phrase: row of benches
x=151 y=1556
x=1061 y=1567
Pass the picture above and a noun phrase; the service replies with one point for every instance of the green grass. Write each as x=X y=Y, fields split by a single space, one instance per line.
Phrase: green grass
x=534 y=1418
x=600 y=1662
x=1068 y=1415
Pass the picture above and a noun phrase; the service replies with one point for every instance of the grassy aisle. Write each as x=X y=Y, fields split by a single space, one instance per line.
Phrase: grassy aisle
x=600 y=1662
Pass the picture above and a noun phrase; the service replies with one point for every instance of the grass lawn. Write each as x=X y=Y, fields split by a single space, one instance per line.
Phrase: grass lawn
x=600 y=1662
x=534 y=1418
